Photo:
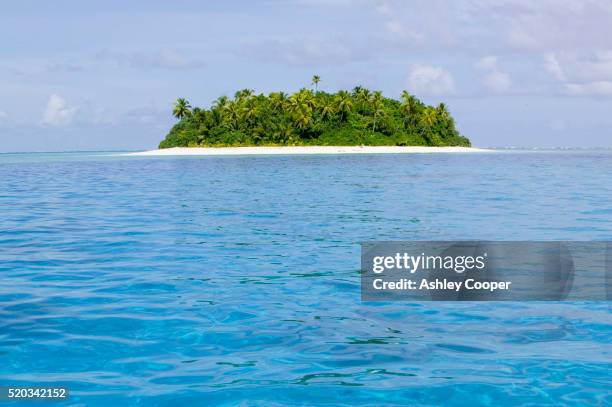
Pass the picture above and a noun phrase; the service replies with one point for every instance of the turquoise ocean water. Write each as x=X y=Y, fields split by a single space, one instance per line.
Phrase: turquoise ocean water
x=220 y=280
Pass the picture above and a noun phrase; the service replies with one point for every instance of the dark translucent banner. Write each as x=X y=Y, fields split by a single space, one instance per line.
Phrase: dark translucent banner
x=486 y=271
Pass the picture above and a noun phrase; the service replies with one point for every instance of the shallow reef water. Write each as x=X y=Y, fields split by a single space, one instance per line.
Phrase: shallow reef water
x=216 y=280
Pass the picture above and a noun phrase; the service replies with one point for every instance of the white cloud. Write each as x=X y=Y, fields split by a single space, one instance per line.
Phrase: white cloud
x=166 y=58
x=308 y=51
x=594 y=67
x=394 y=27
x=145 y=115
x=497 y=81
x=488 y=62
x=582 y=73
x=420 y=22
x=494 y=78
x=598 y=88
x=383 y=7
x=41 y=66
x=58 y=112
x=520 y=37
x=430 y=80
x=553 y=24
x=400 y=31
x=553 y=67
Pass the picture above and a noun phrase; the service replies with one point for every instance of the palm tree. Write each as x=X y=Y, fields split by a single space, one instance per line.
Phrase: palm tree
x=243 y=94
x=283 y=133
x=181 y=108
x=442 y=111
x=301 y=105
x=344 y=104
x=278 y=100
x=428 y=119
x=303 y=101
x=363 y=95
x=218 y=109
x=308 y=98
x=315 y=81
x=198 y=113
x=303 y=120
x=407 y=107
x=377 y=104
x=296 y=103
x=232 y=115
x=406 y=98
x=327 y=111
x=250 y=112
x=221 y=102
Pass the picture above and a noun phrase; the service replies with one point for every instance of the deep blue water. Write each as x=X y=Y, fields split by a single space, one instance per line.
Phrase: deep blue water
x=216 y=280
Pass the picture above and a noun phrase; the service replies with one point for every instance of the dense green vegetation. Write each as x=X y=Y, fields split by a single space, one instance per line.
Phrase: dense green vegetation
x=360 y=117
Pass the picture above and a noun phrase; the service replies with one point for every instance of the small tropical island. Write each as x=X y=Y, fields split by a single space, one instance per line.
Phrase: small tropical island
x=311 y=117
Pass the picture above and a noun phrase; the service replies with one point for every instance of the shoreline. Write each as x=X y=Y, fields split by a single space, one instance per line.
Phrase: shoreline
x=300 y=150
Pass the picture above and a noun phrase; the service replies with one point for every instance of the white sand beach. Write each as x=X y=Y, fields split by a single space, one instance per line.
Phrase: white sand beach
x=297 y=150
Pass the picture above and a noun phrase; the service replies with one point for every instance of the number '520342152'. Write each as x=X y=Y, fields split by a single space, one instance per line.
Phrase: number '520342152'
x=33 y=393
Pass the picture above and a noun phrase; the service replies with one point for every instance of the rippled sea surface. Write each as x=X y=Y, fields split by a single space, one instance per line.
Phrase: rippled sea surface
x=221 y=280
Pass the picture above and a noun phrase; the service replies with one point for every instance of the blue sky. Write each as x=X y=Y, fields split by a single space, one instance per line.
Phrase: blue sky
x=80 y=75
